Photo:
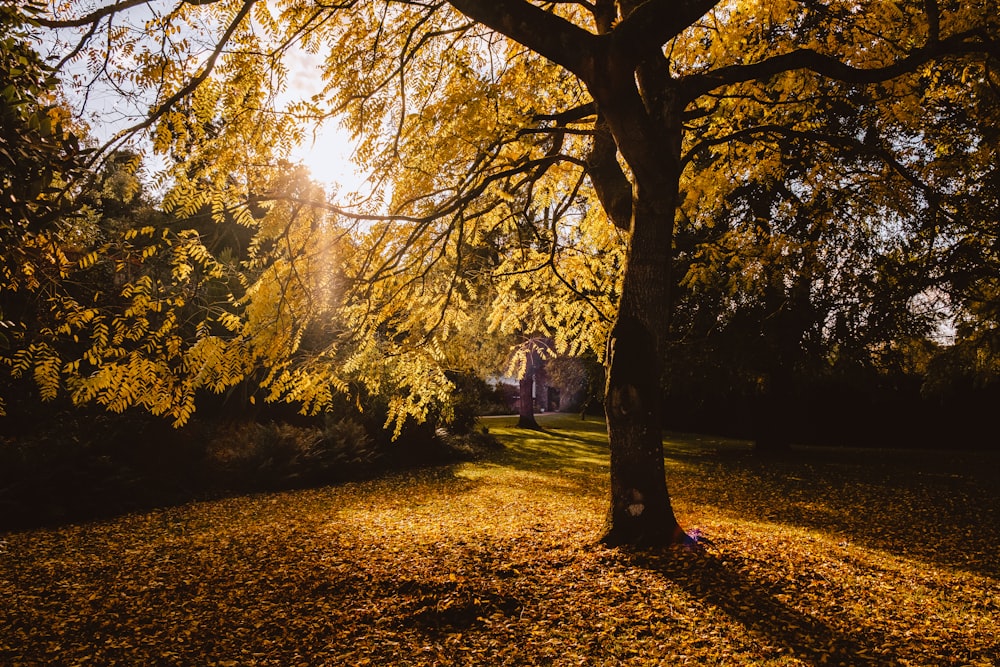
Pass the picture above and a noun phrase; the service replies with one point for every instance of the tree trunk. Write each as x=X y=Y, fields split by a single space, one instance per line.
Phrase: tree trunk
x=641 y=513
x=647 y=131
x=637 y=104
x=525 y=401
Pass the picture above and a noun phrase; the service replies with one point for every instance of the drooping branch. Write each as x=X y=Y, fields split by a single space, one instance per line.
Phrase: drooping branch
x=414 y=43
x=533 y=168
x=554 y=265
x=189 y=87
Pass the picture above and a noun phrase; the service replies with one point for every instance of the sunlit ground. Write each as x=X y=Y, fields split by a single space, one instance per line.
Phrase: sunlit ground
x=829 y=557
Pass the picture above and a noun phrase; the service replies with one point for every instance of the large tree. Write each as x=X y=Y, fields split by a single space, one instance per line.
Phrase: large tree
x=474 y=113
x=638 y=68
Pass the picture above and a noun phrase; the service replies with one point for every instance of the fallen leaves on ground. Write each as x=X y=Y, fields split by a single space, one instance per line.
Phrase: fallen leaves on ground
x=494 y=563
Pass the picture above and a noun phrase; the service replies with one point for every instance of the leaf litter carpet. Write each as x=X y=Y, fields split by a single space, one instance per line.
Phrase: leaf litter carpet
x=823 y=560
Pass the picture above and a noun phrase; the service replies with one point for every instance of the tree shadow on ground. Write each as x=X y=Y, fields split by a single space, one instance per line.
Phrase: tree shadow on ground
x=936 y=506
x=85 y=497
x=567 y=459
x=754 y=605
x=584 y=447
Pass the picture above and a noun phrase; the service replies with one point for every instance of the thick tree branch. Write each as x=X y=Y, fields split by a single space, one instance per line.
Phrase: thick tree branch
x=573 y=115
x=654 y=23
x=93 y=17
x=610 y=183
x=549 y=35
x=970 y=42
x=933 y=21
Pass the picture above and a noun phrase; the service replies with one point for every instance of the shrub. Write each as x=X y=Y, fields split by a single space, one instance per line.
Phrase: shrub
x=472 y=397
x=254 y=455
x=343 y=448
x=469 y=445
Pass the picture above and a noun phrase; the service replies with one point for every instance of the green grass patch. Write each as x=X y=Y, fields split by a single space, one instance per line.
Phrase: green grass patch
x=852 y=557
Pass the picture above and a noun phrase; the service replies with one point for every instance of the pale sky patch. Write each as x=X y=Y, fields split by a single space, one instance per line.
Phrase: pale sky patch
x=328 y=150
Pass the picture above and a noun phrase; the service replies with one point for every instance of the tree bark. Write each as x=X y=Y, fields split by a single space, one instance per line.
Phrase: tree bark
x=638 y=101
x=640 y=512
x=525 y=401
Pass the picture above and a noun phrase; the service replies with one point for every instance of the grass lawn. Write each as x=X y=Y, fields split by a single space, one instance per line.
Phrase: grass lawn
x=827 y=557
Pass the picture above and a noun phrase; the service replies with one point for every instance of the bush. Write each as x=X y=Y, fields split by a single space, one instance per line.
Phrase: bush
x=470 y=445
x=272 y=455
x=83 y=463
x=343 y=449
x=62 y=463
x=473 y=397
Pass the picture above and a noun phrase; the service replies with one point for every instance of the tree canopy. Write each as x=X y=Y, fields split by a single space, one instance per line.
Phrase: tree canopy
x=596 y=156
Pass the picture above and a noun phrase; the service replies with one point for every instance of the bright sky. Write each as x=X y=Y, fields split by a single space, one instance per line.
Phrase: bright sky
x=329 y=159
x=328 y=155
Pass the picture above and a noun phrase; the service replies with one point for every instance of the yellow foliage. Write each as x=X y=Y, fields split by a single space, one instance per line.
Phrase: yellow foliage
x=482 y=221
